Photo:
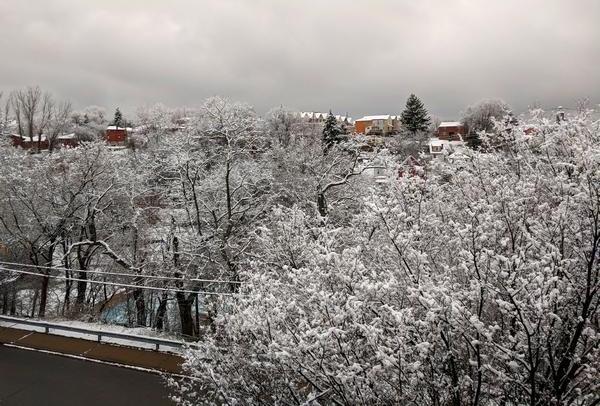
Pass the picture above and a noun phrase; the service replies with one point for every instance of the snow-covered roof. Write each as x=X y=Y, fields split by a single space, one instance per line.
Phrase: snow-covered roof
x=311 y=114
x=113 y=127
x=380 y=117
x=437 y=141
x=450 y=124
x=44 y=137
x=445 y=144
x=35 y=138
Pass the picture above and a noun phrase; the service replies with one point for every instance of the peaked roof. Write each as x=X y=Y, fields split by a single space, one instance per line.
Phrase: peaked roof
x=310 y=114
x=450 y=124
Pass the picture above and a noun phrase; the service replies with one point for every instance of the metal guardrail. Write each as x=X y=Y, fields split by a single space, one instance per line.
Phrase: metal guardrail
x=157 y=342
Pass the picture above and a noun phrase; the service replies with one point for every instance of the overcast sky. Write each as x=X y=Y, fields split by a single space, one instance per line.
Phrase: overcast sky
x=356 y=56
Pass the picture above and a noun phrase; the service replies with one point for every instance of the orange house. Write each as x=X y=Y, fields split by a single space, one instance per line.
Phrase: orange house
x=377 y=125
x=360 y=126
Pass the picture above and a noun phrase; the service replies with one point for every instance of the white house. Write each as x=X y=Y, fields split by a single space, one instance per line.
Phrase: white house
x=438 y=148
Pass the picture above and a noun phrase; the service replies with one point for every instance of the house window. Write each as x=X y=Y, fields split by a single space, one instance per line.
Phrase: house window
x=436 y=148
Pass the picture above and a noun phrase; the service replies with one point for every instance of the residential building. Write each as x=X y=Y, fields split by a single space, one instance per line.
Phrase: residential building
x=451 y=131
x=35 y=142
x=377 y=125
x=67 y=140
x=449 y=137
x=438 y=147
x=315 y=117
x=43 y=143
x=117 y=136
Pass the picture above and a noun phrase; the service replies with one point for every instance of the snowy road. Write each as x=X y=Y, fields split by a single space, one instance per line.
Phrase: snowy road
x=34 y=378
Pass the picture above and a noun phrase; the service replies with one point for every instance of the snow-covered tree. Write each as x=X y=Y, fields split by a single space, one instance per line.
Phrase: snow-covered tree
x=480 y=117
x=281 y=122
x=89 y=123
x=118 y=119
x=59 y=123
x=38 y=214
x=155 y=121
x=415 y=117
x=332 y=132
x=4 y=113
x=478 y=284
x=39 y=115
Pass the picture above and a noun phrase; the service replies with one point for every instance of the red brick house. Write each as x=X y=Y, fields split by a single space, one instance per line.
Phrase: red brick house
x=63 y=140
x=67 y=140
x=451 y=131
x=117 y=135
x=30 y=142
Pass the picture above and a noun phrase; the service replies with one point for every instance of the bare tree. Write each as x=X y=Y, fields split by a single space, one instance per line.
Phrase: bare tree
x=89 y=123
x=33 y=111
x=480 y=117
x=280 y=122
x=4 y=113
x=59 y=120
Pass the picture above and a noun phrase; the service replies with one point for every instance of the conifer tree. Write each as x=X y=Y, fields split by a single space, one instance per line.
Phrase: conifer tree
x=118 y=121
x=472 y=139
x=331 y=132
x=415 y=117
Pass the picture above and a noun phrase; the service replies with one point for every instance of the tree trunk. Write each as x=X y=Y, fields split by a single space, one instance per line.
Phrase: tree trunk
x=140 y=308
x=67 y=300
x=4 y=301
x=43 y=296
x=161 y=311
x=34 y=303
x=321 y=203
x=13 y=302
x=197 y=315
x=45 y=279
x=81 y=289
x=185 y=314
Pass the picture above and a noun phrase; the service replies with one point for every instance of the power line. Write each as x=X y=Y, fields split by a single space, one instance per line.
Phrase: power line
x=121 y=274
x=122 y=284
x=118 y=284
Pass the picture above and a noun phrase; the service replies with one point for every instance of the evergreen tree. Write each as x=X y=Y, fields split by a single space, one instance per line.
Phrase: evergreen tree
x=473 y=140
x=415 y=117
x=331 y=132
x=118 y=121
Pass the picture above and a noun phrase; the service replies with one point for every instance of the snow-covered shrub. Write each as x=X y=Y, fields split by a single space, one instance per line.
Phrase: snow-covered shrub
x=476 y=284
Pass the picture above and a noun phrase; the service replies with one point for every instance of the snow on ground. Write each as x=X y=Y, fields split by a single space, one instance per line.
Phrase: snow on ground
x=142 y=332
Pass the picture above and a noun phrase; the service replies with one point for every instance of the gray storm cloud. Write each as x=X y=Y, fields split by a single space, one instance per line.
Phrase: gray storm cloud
x=360 y=57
